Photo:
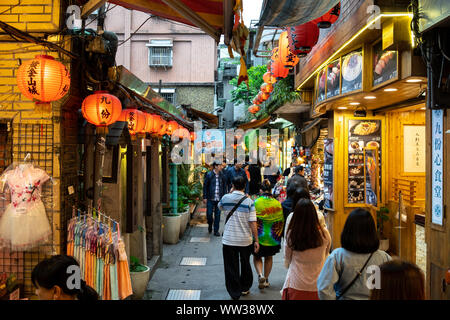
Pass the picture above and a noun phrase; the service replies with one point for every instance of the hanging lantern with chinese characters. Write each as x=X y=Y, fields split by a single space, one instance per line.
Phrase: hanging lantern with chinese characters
x=43 y=79
x=302 y=38
x=287 y=58
x=328 y=18
x=136 y=120
x=278 y=70
x=101 y=109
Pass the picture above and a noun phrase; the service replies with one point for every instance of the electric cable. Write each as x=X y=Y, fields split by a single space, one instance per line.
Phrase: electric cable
x=131 y=35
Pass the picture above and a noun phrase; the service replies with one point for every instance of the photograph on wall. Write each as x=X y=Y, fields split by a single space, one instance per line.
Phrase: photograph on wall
x=334 y=79
x=352 y=66
x=321 y=83
x=362 y=134
x=384 y=66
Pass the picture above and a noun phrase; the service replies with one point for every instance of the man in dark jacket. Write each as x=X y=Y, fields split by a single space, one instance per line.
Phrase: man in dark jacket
x=214 y=187
x=298 y=178
x=235 y=171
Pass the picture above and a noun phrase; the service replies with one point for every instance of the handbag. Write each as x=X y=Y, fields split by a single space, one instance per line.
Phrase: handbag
x=356 y=278
x=233 y=210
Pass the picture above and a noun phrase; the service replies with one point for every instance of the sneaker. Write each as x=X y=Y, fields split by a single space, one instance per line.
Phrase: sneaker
x=244 y=293
x=261 y=281
x=266 y=284
x=217 y=234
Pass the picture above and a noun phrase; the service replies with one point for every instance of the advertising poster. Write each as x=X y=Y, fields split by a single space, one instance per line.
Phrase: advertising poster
x=334 y=79
x=371 y=172
x=352 y=71
x=328 y=174
x=384 y=64
x=321 y=82
x=362 y=134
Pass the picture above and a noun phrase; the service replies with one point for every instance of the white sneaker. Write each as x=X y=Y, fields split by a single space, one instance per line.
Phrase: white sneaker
x=266 y=284
x=244 y=293
x=261 y=281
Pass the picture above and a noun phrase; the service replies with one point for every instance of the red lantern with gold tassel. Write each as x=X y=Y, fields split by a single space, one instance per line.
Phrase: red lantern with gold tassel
x=328 y=18
x=101 y=109
x=302 y=38
x=266 y=87
x=43 y=79
x=287 y=58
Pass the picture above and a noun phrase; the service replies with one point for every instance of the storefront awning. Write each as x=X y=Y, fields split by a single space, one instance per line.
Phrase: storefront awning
x=254 y=124
x=312 y=124
x=215 y=17
x=286 y=13
x=208 y=117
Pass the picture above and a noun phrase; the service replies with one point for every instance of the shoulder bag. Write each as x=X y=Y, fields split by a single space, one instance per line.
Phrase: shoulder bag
x=356 y=278
x=234 y=209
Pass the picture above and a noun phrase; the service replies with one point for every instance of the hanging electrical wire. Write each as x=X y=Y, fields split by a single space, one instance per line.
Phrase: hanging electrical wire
x=131 y=35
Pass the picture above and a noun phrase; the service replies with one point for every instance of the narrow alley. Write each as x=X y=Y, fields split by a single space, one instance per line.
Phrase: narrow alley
x=204 y=279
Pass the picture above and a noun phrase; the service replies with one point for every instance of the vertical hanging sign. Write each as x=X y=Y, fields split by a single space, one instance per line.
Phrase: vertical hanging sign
x=437 y=145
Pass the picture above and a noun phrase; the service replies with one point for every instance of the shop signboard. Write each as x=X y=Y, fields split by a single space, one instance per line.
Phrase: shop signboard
x=328 y=174
x=371 y=173
x=352 y=66
x=362 y=134
x=413 y=148
x=384 y=65
x=437 y=166
x=334 y=79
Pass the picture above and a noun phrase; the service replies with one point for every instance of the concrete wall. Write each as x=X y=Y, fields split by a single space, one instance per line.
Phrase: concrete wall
x=201 y=98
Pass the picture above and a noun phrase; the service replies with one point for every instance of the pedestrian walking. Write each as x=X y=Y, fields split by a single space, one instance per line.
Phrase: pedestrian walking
x=399 y=280
x=255 y=179
x=298 y=178
x=240 y=239
x=306 y=247
x=272 y=173
x=344 y=274
x=51 y=279
x=237 y=170
x=214 y=187
x=270 y=230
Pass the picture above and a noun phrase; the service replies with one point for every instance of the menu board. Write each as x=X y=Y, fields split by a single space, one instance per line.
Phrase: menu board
x=352 y=65
x=362 y=134
x=384 y=65
x=328 y=173
x=372 y=175
x=321 y=81
x=334 y=79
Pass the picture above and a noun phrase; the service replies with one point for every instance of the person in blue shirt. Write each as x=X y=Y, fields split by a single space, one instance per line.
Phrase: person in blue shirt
x=235 y=171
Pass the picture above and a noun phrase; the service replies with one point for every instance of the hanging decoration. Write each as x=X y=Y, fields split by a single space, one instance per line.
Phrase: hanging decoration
x=157 y=124
x=254 y=109
x=269 y=78
x=278 y=71
x=302 y=38
x=136 y=120
x=287 y=58
x=149 y=123
x=171 y=127
x=328 y=18
x=264 y=96
x=193 y=136
x=182 y=133
x=101 y=109
x=43 y=79
x=163 y=128
x=266 y=87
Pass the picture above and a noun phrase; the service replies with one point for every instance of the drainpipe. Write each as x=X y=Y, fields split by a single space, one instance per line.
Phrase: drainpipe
x=173 y=188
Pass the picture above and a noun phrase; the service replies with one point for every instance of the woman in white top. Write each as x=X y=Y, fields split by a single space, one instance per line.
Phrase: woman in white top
x=306 y=249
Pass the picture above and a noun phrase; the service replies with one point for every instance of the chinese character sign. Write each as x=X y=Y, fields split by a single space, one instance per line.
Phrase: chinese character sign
x=414 y=148
x=437 y=159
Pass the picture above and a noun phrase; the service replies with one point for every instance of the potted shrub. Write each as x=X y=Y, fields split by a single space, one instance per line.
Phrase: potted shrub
x=140 y=276
x=382 y=217
x=171 y=227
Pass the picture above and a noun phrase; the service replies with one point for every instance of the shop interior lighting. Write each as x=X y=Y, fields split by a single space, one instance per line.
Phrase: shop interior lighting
x=390 y=89
x=342 y=108
x=414 y=80
x=370 y=97
x=346 y=44
x=355 y=103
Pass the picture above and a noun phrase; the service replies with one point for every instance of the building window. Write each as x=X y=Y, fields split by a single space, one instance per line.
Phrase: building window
x=160 y=53
x=169 y=95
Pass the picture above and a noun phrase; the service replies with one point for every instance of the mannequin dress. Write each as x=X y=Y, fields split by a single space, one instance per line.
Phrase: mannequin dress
x=24 y=224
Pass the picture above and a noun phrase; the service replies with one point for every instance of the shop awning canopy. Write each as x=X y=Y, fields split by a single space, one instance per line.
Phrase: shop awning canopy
x=215 y=17
x=312 y=124
x=208 y=117
x=254 y=124
x=286 y=13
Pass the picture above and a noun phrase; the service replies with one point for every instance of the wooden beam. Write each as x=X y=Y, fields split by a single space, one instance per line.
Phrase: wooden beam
x=228 y=20
x=193 y=17
x=90 y=7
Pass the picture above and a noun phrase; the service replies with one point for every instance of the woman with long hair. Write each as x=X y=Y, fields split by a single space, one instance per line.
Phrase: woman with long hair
x=305 y=249
x=58 y=278
x=270 y=221
x=399 y=280
x=344 y=275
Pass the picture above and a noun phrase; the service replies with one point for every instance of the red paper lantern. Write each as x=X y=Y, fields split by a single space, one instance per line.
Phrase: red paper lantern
x=171 y=127
x=157 y=124
x=287 y=58
x=136 y=120
x=265 y=96
x=254 y=109
x=163 y=129
x=101 y=108
x=182 y=133
x=43 y=79
x=302 y=38
x=266 y=87
x=278 y=70
x=269 y=78
x=328 y=18
x=148 y=123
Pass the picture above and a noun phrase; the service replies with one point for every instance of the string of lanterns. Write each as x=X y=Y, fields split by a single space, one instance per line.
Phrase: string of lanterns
x=294 y=43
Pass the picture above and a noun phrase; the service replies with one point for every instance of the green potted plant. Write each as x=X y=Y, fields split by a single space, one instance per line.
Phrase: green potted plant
x=140 y=276
x=382 y=217
x=171 y=226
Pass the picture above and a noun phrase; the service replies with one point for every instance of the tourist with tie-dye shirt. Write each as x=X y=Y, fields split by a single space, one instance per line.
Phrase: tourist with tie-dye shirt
x=270 y=220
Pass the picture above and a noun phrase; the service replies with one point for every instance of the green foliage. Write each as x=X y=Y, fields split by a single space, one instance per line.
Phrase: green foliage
x=136 y=266
x=382 y=217
x=242 y=94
